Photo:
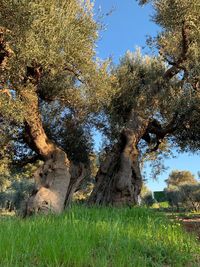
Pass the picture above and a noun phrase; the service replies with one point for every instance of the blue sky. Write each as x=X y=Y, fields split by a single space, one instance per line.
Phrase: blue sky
x=127 y=28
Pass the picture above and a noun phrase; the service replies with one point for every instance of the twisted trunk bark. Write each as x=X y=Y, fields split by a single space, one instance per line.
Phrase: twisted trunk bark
x=52 y=180
x=78 y=174
x=119 y=180
x=54 y=176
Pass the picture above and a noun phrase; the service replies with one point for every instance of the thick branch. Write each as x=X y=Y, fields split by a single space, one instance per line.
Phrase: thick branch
x=176 y=66
x=159 y=131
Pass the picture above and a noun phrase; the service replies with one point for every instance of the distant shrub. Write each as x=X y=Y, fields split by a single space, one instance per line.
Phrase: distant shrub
x=15 y=194
x=186 y=196
x=160 y=196
x=190 y=196
x=148 y=199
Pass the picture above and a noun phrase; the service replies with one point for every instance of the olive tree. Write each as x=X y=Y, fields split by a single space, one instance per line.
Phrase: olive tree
x=183 y=190
x=157 y=99
x=47 y=54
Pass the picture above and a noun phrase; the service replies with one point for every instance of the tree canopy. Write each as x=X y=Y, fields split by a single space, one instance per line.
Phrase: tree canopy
x=177 y=178
x=54 y=92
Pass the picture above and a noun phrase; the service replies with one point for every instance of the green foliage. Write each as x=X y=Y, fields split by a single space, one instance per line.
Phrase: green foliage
x=16 y=194
x=148 y=200
x=183 y=190
x=134 y=80
x=11 y=116
x=171 y=16
x=137 y=77
x=185 y=196
x=145 y=190
x=177 y=178
x=49 y=34
x=17 y=187
x=174 y=198
x=146 y=196
x=97 y=237
x=191 y=196
x=68 y=130
x=140 y=87
x=51 y=60
x=11 y=109
x=159 y=196
x=55 y=43
x=188 y=136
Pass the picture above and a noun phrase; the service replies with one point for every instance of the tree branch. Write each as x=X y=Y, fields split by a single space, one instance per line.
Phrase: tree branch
x=176 y=66
x=7 y=92
x=159 y=131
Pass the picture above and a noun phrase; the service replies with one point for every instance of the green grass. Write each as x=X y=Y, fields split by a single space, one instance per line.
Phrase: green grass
x=187 y=215
x=160 y=205
x=99 y=237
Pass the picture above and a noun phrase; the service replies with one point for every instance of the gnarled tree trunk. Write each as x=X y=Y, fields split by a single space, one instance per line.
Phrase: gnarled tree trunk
x=78 y=174
x=54 y=176
x=119 y=180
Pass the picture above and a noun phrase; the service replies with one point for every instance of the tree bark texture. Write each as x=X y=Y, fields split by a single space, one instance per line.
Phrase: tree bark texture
x=119 y=180
x=78 y=173
x=53 y=178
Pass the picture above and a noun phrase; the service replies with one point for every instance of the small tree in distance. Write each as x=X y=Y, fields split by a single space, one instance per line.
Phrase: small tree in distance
x=178 y=178
x=183 y=190
x=146 y=196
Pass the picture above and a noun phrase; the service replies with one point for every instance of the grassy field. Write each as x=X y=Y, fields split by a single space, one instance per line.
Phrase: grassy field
x=99 y=237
